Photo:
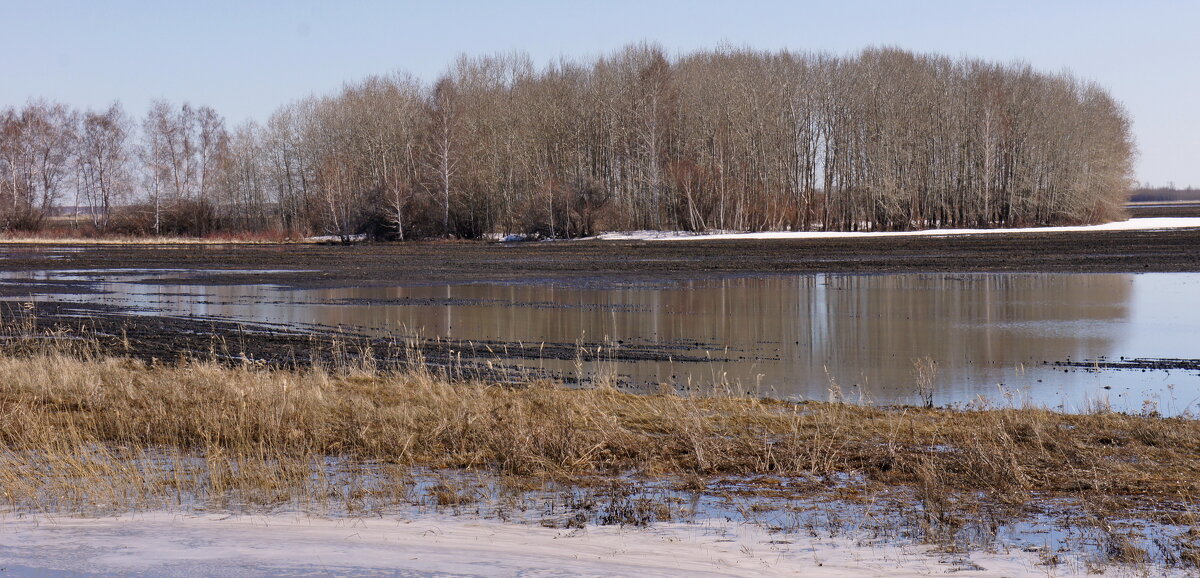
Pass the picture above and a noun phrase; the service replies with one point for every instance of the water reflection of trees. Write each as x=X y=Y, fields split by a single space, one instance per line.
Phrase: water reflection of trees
x=797 y=330
x=866 y=330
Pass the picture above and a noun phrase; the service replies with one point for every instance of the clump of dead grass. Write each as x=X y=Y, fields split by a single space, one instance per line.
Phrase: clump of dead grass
x=64 y=405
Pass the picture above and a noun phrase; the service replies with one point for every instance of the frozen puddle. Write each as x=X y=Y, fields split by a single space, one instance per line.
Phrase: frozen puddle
x=176 y=544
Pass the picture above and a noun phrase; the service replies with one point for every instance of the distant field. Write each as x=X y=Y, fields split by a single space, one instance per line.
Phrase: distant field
x=1164 y=209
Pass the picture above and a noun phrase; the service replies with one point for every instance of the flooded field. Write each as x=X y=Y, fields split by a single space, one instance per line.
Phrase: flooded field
x=1048 y=339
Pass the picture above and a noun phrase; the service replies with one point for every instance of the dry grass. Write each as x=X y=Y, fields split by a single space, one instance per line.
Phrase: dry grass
x=65 y=413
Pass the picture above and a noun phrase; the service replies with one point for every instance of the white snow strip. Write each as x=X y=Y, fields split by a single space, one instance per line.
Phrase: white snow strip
x=173 y=544
x=1141 y=224
x=337 y=238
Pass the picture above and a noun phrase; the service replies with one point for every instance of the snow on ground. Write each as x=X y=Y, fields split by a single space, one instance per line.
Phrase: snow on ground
x=337 y=238
x=1141 y=224
x=209 y=544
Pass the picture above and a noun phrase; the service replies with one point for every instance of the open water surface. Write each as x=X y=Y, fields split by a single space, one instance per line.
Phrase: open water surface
x=993 y=336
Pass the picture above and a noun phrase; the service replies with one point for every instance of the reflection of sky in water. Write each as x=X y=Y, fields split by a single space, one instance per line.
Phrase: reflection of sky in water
x=1166 y=308
x=789 y=336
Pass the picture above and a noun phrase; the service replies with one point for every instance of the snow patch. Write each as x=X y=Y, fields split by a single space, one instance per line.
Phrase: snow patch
x=207 y=544
x=1140 y=224
x=337 y=238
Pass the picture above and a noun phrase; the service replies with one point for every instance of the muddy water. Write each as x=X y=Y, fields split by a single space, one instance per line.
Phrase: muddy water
x=993 y=336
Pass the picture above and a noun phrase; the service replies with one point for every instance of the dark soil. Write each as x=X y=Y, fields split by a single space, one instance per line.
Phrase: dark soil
x=617 y=263
x=106 y=330
x=1138 y=363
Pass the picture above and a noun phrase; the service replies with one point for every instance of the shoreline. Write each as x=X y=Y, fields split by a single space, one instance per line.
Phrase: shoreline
x=302 y=266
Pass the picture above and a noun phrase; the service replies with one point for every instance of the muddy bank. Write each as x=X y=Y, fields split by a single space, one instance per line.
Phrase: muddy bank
x=106 y=330
x=616 y=263
x=1142 y=364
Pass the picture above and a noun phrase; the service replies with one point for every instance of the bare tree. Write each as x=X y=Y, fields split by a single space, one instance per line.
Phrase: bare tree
x=443 y=136
x=102 y=162
x=37 y=147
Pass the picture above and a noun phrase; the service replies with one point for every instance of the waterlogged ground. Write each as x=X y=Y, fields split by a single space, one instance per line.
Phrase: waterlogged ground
x=1065 y=321
x=1067 y=341
x=430 y=523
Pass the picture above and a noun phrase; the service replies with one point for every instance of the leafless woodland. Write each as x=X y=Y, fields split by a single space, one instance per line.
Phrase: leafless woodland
x=729 y=139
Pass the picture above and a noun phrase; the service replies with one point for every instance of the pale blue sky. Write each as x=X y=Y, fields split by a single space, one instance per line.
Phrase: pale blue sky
x=245 y=58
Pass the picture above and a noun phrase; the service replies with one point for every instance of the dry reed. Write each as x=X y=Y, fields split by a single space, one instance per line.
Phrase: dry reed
x=57 y=404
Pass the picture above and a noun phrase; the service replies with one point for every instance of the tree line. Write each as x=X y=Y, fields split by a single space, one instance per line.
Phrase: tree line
x=1149 y=194
x=724 y=139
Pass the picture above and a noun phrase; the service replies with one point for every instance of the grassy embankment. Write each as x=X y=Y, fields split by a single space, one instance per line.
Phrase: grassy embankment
x=82 y=431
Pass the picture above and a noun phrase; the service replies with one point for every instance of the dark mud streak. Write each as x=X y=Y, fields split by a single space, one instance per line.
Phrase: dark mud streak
x=1140 y=363
x=111 y=330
